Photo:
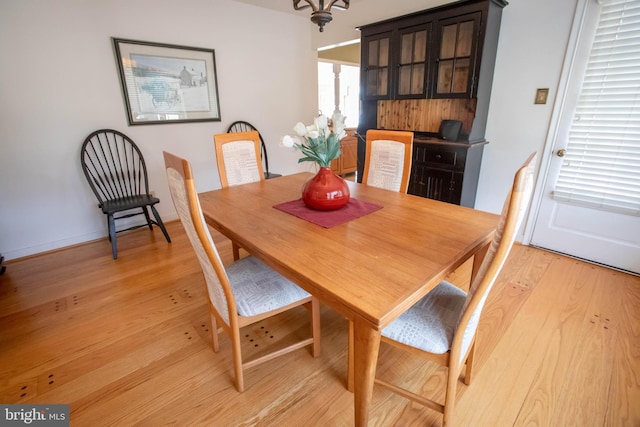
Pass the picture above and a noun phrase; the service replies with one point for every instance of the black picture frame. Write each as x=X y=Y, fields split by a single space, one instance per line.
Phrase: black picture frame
x=166 y=83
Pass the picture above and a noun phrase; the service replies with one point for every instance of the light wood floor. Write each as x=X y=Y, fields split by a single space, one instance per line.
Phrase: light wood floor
x=127 y=342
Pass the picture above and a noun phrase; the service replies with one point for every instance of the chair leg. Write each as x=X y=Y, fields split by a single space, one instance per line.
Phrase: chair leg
x=315 y=326
x=450 y=395
x=237 y=360
x=112 y=235
x=469 y=367
x=160 y=223
x=146 y=215
x=214 y=333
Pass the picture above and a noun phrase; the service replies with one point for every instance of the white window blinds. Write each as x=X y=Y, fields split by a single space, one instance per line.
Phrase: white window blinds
x=601 y=168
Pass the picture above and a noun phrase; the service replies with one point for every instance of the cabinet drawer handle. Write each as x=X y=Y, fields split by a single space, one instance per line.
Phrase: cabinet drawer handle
x=438 y=156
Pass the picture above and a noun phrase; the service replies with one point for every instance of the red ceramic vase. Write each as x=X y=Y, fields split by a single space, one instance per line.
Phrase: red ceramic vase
x=326 y=191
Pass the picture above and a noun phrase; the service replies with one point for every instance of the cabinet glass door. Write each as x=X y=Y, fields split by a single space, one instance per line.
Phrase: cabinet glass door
x=457 y=55
x=412 y=63
x=376 y=72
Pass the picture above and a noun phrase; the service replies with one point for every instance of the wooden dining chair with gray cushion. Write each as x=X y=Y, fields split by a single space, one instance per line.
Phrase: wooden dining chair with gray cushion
x=238 y=160
x=117 y=174
x=387 y=161
x=442 y=325
x=244 y=293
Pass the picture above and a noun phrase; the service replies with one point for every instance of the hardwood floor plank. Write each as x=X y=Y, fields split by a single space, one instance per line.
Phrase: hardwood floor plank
x=514 y=366
x=522 y=272
x=81 y=372
x=624 y=393
x=127 y=342
x=567 y=370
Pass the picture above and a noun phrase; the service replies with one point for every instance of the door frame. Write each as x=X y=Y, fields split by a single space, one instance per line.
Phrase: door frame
x=548 y=150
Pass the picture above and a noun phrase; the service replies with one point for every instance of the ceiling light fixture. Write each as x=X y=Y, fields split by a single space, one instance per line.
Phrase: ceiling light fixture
x=321 y=14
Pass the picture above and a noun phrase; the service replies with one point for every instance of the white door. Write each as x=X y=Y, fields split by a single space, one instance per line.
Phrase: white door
x=582 y=226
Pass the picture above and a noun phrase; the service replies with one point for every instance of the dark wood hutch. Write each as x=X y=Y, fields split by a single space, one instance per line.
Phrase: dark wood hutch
x=425 y=67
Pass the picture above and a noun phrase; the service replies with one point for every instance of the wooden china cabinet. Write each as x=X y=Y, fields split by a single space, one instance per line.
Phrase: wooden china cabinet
x=425 y=67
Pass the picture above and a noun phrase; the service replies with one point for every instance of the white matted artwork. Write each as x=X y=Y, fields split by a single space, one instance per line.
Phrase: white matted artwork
x=163 y=83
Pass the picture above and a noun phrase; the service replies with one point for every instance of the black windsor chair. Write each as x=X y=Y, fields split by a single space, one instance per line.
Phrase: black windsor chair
x=115 y=169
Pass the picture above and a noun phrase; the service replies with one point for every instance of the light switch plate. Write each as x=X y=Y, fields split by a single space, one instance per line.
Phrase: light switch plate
x=541 y=96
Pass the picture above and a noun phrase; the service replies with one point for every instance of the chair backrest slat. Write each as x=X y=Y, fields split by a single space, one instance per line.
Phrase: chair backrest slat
x=114 y=166
x=115 y=181
x=511 y=218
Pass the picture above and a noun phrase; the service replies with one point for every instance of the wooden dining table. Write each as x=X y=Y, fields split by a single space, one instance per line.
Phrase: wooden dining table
x=370 y=269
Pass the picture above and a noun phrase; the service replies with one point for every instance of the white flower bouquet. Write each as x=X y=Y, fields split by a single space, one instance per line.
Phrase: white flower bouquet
x=321 y=139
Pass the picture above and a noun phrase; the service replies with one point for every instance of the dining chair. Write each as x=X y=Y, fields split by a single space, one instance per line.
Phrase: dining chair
x=238 y=160
x=243 y=126
x=244 y=293
x=442 y=325
x=387 y=161
x=117 y=174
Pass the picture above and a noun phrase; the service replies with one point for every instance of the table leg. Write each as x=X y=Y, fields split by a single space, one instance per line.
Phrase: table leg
x=477 y=261
x=350 y=358
x=366 y=345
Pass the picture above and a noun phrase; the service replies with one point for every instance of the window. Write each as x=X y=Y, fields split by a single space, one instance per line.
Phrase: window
x=601 y=168
x=346 y=98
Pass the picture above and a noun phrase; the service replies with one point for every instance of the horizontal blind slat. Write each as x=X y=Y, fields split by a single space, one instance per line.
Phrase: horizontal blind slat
x=602 y=166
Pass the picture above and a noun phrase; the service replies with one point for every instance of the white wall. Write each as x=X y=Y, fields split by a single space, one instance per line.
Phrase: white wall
x=59 y=83
x=531 y=50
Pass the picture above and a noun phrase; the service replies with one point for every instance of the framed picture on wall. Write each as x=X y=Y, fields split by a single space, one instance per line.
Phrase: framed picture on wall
x=163 y=83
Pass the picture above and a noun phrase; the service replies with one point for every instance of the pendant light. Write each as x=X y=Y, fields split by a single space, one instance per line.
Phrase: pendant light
x=321 y=9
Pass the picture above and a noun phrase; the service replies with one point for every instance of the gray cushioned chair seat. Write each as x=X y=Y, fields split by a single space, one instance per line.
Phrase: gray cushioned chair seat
x=429 y=325
x=259 y=289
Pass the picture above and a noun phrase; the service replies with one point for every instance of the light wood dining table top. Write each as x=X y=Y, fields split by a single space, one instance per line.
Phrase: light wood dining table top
x=375 y=266
x=370 y=269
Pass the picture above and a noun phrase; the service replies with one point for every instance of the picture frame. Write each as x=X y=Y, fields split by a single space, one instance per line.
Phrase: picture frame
x=165 y=83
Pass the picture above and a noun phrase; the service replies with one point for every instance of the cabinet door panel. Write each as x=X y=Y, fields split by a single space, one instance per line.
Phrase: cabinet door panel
x=461 y=73
x=435 y=184
x=383 y=53
x=404 y=79
x=412 y=60
x=445 y=76
x=417 y=79
x=420 y=46
x=465 y=39
x=406 y=49
x=375 y=75
x=379 y=53
x=448 y=38
x=457 y=56
x=383 y=81
x=377 y=82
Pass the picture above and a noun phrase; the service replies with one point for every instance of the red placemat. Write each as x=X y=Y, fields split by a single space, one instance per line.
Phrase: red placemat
x=327 y=219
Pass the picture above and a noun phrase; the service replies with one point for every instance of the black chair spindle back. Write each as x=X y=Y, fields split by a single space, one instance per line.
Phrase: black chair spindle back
x=117 y=174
